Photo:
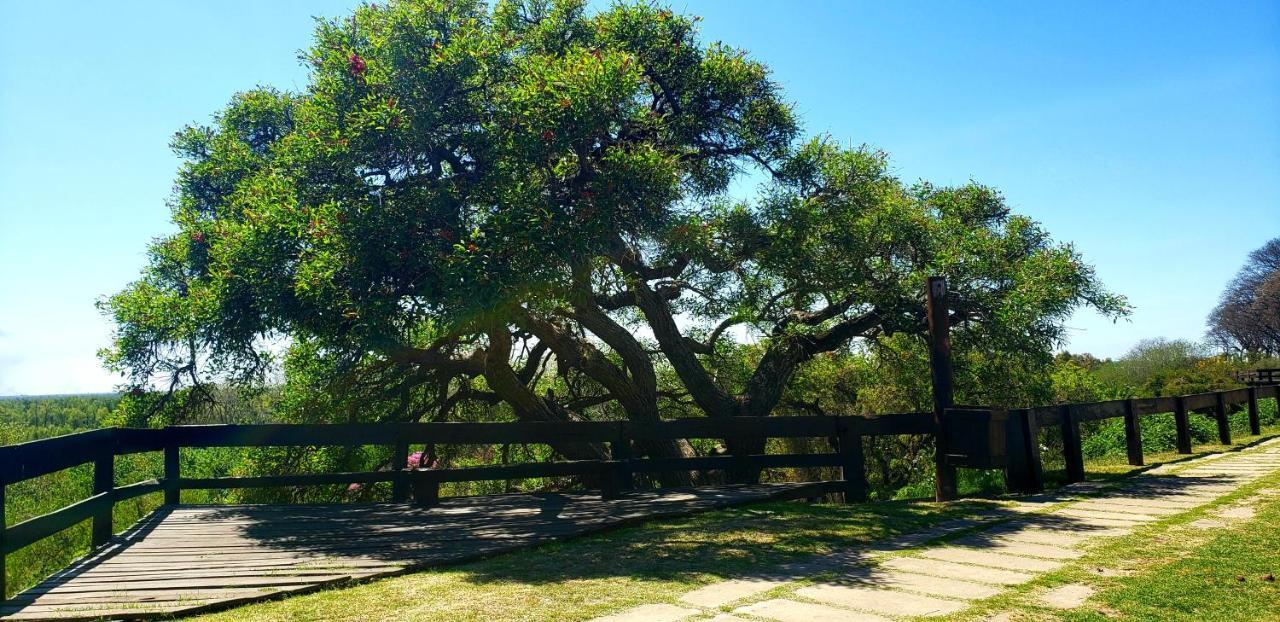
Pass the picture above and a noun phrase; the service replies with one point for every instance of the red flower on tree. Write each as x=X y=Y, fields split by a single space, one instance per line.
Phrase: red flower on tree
x=198 y=237
x=355 y=65
x=548 y=135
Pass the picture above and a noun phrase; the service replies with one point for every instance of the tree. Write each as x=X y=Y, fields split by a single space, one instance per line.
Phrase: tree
x=1247 y=318
x=526 y=211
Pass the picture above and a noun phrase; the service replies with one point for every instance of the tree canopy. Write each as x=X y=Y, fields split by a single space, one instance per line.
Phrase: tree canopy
x=532 y=206
x=1247 y=318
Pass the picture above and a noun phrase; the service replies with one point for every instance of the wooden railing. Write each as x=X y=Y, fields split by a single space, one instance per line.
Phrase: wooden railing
x=977 y=437
x=613 y=476
x=1022 y=428
x=1259 y=377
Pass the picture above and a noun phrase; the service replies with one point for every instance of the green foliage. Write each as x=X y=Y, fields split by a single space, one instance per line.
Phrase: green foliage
x=474 y=213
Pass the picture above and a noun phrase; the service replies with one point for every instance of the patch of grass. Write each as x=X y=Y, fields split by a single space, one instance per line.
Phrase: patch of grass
x=1169 y=571
x=585 y=578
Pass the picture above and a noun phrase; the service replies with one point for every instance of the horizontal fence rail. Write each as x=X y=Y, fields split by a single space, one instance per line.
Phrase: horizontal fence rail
x=977 y=437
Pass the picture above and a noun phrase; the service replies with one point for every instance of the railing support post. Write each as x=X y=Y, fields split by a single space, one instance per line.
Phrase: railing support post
x=426 y=488
x=1255 y=425
x=1220 y=415
x=619 y=479
x=1182 y=424
x=400 y=465
x=1132 y=433
x=943 y=394
x=852 y=462
x=1024 y=473
x=1072 y=452
x=172 y=473
x=2 y=543
x=104 y=481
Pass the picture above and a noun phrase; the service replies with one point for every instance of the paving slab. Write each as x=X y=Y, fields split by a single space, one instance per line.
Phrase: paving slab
x=1115 y=516
x=1109 y=505
x=925 y=584
x=1238 y=511
x=882 y=601
x=1007 y=546
x=1067 y=596
x=724 y=592
x=785 y=610
x=963 y=572
x=1207 y=523
x=1039 y=535
x=989 y=559
x=651 y=613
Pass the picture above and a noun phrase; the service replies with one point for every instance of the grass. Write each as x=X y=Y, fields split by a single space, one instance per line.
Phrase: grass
x=1168 y=571
x=581 y=579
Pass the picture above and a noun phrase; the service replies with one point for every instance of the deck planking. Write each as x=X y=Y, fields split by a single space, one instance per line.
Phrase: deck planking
x=187 y=559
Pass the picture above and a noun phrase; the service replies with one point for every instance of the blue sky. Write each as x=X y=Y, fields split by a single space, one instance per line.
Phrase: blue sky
x=1146 y=133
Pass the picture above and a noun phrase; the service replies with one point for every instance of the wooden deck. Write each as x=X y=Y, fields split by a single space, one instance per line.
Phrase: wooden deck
x=186 y=559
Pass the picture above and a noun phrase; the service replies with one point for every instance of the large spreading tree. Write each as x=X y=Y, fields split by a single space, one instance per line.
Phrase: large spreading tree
x=529 y=206
x=1247 y=318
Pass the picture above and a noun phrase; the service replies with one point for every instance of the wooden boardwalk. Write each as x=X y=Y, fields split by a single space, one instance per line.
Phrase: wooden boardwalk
x=186 y=559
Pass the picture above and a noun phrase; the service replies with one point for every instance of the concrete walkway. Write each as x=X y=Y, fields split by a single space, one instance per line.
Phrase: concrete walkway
x=880 y=584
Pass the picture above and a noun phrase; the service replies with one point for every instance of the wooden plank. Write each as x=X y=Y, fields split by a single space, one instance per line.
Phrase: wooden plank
x=24 y=461
x=1093 y=411
x=1235 y=396
x=138 y=489
x=268 y=481
x=40 y=527
x=712 y=463
x=1198 y=401
x=1154 y=405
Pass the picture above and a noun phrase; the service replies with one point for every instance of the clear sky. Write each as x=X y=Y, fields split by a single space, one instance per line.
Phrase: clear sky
x=1147 y=133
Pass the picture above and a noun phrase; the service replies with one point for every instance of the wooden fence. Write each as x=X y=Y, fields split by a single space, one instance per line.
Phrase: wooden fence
x=975 y=437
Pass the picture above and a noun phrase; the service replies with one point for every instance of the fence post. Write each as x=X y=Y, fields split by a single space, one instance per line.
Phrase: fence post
x=172 y=470
x=852 y=463
x=619 y=479
x=2 y=540
x=104 y=481
x=1072 y=452
x=1255 y=426
x=426 y=488
x=1132 y=433
x=1220 y=415
x=1182 y=425
x=400 y=465
x=943 y=395
x=1023 y=473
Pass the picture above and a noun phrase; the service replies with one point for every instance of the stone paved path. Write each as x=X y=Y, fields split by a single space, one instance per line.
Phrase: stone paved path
x=879 y=584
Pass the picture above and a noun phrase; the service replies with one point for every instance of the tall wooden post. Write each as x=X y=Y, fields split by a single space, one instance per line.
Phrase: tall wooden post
x=1072 y=450
x=1182 y=425
x=1220 y=416
x=1132 y=433
x=104 y=481
x=1255 y=425
x=852 y=462
x=943 y=393
x=1023 y=473
x=3 y=544
x=172 y=472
